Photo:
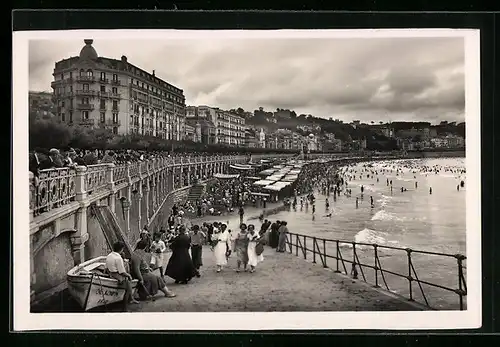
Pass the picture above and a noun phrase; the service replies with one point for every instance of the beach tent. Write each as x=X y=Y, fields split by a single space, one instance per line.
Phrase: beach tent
x=267 y=172
x=253 y=178
x=259 y=194
x=225 y=176
x=277 y=186
x=290 y=178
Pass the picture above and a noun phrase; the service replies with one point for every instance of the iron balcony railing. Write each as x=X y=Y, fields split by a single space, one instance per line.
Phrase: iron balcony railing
x=356 y=254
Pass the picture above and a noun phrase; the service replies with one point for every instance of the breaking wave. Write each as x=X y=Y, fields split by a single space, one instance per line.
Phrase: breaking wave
x=385 y=216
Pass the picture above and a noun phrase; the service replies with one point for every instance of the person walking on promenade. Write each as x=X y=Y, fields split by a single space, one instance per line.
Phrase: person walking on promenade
x=255 y=256
x=180 y=266
x=220 y=239
x=157 y=249
x=241 y=212
x=198 y=237
x=282 y=231
x=241 y=248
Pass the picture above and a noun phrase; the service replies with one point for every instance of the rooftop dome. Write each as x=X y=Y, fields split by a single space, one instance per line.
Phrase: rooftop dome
x=88 y=52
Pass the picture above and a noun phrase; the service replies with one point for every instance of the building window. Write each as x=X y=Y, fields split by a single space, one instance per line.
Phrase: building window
x=63 y=118
x=71 y=116
x=142 y=84
x=115 y=117
x=115 y=130
x=115 y=90
x=71 y=89
x=103 y=103
x=82 y=73
x=86 y=87
x=85 y=101
x=89 y=73
x=115 y=105
x=85 y=114
x=103 y=89
x=103 y=117
x=62 y=76
x=103 y=76
x=62 y=103
x=115 y=77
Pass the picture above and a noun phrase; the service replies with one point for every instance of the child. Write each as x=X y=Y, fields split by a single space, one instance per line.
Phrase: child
x=157 y=249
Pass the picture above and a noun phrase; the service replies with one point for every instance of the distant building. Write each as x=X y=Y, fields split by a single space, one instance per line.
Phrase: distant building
x=190 y=132
x=103 y=92
x=251 y=138
x=41 y=105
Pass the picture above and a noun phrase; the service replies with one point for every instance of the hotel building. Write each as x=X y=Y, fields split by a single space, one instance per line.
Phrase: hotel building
x=230 y=128
x=114 y=94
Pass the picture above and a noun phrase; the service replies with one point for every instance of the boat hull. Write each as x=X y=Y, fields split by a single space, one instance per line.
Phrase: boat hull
x=91 y=290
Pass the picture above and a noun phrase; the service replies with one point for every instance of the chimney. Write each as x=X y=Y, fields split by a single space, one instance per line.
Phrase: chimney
x=124 y=58
x=153 y=73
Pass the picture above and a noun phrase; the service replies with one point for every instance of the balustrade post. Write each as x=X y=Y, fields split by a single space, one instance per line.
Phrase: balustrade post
x=111 y=186
x=375 y=249
x=146 y=191
x=80 y=180
x=460 y=276
x=139 y=203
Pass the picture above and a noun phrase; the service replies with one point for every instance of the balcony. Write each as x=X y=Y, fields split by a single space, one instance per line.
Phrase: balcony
x=102 y=107
x=85 y=79
x=104 y=94
x=89 y=107
x=111 y=123
x=86 y=122
x=115 y=96
x=115 y=109
x=86 y=92
x=116 y=82
x=103 y=80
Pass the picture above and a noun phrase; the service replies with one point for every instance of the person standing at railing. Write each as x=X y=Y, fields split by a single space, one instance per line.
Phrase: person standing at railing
x=282 y=231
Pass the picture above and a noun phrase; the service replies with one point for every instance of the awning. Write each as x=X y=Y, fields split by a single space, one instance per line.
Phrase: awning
x=226 y=176
x=240 y=167
x=263 y=182
x=259 y=194
x=274 y=178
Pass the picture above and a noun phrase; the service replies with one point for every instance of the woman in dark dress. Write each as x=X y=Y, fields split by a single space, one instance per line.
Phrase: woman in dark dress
x=180 y=265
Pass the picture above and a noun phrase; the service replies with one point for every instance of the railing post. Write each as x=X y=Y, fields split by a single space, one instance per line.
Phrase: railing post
x=297 y=245
x=409 y=277
x=337 y=249
x=111 y=186
x=375 y=249
x=314 y=250
x=80 y=178
x=324 y=253
x=461 y=291
x=305 y=248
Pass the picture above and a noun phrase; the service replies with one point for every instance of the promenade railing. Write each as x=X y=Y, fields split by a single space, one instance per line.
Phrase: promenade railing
x=59 y=186
x=398 y=274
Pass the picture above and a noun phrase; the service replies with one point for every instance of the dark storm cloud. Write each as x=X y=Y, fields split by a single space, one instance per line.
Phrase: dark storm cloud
x=366 y=79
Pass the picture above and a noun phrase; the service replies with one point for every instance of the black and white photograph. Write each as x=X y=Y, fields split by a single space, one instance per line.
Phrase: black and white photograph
x=281 y=179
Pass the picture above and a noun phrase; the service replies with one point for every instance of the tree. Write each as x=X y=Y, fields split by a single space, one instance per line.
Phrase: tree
x=380 y=122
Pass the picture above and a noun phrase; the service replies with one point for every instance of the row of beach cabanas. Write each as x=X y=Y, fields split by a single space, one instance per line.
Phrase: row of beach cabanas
x=279 y=176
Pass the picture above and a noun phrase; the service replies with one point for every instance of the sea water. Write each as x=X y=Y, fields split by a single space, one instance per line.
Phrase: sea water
x=413 y=219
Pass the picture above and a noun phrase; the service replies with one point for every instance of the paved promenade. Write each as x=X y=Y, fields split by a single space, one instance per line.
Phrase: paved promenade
x=283 y=282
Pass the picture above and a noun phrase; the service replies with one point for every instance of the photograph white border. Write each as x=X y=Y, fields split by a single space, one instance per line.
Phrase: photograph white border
x=251 y=321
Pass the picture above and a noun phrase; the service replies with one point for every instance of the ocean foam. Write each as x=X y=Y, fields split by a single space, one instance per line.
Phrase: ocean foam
x=384 y=215
x=370 y=236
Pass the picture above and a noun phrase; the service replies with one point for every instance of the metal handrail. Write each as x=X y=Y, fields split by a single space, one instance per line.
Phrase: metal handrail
x=301 y=242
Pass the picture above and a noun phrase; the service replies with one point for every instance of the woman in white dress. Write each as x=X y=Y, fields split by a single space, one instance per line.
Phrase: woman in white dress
x=222 y=238
x=253 y=240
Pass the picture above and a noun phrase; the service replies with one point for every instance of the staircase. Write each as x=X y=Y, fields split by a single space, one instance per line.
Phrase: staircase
x=196 y=192
x=110 y=227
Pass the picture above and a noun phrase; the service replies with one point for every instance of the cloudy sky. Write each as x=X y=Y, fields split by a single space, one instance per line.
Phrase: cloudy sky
x=367 y=79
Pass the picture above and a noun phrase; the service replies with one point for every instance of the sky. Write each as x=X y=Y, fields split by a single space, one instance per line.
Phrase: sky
x=367 y=79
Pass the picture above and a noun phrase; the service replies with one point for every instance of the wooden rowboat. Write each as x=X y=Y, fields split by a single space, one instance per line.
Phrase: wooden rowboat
x=91 y=287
